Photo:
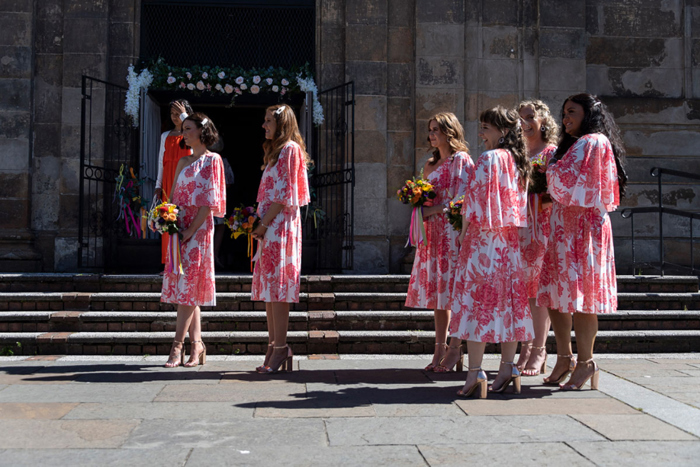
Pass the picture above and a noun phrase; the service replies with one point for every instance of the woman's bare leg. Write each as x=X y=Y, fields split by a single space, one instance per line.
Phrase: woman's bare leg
x=561 y=323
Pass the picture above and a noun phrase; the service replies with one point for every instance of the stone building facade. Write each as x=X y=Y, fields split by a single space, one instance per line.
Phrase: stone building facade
x=409 y=59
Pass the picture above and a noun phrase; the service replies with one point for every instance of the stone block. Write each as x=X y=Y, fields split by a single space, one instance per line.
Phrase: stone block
x=400 y=47
x=13 y=184
x=400 y=148
x=564 y=43
x=15 y=62
x=77 y=65
x=87 y=9
x=369 y=217
x=431 y=101
x=650 y=82
x=366 y=42
x=443 y=40
x=370 y=146
x=15 y=212
x=17 y=6
x=332 y=12
x=399 y=114
x=14 y=94
x=14 y=156
x=500 y=42
x=16 y=29
x=370 y=113
x=366 y=11
x=558 y=74
x=123 y=10
x=49 y=35
x=371 y=257
x=562 y=14
x=664 y=20
x=121 y=38
x=530 y=77
x=333 y=44
x=440 y=11
x=676 y=143
x=116 y=70
x=14 y=125
x=635 y=52
x=593 y=23
x=500 y=12
x=439 y=71
x=332 y=74
x=400 y=79
x=47 y=139
x=396 y=177
x=402 y=13
x=497 y=75
x=370 y=181
x=69 y=211
x=70 y=175
x=46 y=176
x=369 y=77
x=472 y=42
x=86 y=35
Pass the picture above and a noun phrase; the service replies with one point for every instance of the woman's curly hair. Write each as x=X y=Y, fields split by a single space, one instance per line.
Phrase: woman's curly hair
x=209 y=134
x=549 y=127
x=507 y=121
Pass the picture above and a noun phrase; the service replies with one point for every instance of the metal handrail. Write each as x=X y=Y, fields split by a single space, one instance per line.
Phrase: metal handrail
x=628 y=213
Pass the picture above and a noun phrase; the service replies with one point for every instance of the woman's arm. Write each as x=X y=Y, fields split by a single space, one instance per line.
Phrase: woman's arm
x=161 y=155
x=463 y=233
x=198 y=220
x=269 y=216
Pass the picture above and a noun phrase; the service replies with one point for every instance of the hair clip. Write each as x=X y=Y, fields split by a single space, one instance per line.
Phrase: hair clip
x=205 y=121
x=597 y=104
x=280 y=110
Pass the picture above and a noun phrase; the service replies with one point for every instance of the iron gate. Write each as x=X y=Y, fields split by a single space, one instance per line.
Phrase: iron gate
x=328 y=221
x=108 y=140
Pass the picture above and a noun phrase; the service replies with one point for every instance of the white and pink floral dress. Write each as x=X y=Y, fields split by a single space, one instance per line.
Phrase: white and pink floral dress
x=533 y=239
x=578 y=274
x=277 y=272
x=490 y=301
x=436 y=258
x=202 y=183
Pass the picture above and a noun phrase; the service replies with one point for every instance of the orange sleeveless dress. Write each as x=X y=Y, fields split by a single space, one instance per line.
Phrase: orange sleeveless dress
x=173 y=153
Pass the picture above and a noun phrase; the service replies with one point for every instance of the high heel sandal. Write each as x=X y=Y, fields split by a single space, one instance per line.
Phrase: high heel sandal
x=523 y=361
x=558 y=381
x=268 y=355
x=432 y=366
x=480 y=384
x=284 y=365
x=179 y=357
x=514 y=377
x=593 y=377
x=536 y=371
x=200 y=359
x=442 y=368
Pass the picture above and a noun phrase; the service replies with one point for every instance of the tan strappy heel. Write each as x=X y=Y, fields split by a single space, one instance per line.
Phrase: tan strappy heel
x=177 y=359
x=558 y=381
x=200 y=359
x=432 y=366
x=480 y=384
x=535 y=371
x=514 y=377
x=593 y=377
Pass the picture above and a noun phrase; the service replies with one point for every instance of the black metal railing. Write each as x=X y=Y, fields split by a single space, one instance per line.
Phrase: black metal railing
x=662 y=210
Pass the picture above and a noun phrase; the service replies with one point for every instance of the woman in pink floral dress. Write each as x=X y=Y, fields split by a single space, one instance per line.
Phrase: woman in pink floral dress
x=540 y=132
x=284 y=188
x=200 y=193
x=585 y=180
x=434 y=264
x=490 y=299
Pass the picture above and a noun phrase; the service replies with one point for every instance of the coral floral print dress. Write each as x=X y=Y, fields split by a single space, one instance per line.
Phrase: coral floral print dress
x=578 y=274
x=533 y=239
x=277 y=271
x=200 y=184
x=490 y=301
x=436 y=258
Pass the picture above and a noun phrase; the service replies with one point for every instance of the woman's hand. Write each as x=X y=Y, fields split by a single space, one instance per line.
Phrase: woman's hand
x=432 y=210
x=159 y=193
x=460 y=238
x=179 y=107
x=546 y=200
x=187 y=234
x=259 y=232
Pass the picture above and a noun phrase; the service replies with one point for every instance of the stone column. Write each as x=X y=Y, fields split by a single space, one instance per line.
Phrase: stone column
x=17 y=252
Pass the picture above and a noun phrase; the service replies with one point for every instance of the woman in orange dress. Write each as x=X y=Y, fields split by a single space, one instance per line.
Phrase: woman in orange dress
x=170 y=153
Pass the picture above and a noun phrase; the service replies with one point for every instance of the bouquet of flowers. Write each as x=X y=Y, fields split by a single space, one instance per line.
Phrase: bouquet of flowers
x=418 y=193
x=539 y=176
x=162 y=218
x=454 y=213
x=243 y=221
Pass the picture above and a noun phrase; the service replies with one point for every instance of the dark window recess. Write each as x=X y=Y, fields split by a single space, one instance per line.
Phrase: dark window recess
x=229 y=33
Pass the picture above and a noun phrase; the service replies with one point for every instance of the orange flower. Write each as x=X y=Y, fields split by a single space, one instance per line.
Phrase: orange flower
x=172 y=217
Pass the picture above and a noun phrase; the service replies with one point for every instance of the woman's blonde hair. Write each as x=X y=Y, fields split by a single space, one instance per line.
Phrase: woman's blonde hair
x=287 y=130
x=549 y=127
x=450 y=127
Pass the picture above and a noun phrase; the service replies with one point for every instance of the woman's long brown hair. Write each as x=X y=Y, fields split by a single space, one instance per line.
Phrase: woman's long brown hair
x=450 y=127
x=287 y=130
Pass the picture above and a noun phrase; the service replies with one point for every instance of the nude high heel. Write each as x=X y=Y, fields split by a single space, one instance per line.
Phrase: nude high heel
x=442 y=368
x=480 y=385
x=431 y=367
x=200 y=359
x=558 y=381
x=285 y=365
x=536 y=371
x=514 y=377
x=179 y=357
x=594 y=379
x=268 y=355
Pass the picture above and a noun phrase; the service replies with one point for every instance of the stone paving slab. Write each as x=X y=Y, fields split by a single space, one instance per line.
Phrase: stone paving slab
x=62 y=434
x=158 y=411
x=640 y=427
x=263 y=433
x=437 y=431
x=302 y=457
x=81 y=393
x=48 y=411
x=92 y=457
x=227 y=393
x=640 y=453
x=522 y=454
x=556 y=406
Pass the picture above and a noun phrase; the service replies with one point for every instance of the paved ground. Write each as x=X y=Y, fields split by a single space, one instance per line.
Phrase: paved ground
x=357 y=410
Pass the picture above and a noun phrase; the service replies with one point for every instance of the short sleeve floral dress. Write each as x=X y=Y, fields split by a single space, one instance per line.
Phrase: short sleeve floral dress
x=277 y=272
x=202 y=183
x=490 y=301
x=436 y=258
x=578 y=273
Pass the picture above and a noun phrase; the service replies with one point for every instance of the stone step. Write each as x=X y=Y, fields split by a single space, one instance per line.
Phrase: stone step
x=312 y=342
x=158 y=321
x=50 y=282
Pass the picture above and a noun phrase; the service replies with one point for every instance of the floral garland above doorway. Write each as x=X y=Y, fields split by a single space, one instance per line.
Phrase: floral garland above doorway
x=233 y=81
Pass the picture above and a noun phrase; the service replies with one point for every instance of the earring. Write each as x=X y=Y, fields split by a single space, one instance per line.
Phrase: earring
x=501 y=141
x=543 y=128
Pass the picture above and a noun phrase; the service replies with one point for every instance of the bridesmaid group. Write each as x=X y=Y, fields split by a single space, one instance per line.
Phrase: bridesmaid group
x=520 y=264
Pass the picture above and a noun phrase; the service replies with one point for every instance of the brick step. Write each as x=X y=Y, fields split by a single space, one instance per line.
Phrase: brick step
x=50 y=282
x=157 y=321
x=312 y=342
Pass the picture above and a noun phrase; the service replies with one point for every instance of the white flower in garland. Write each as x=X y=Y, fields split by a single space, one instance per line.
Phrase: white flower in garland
x=243 y=87
x=309 y=85
x=171 y=80
x=269 y=81
x=218 y=87
x=189 y=75
x=190 y=86
x=201 y=86
x=256 y=79
x=285 y=82
x=228 y=88
x=205 y=75
x=221 y=75
x=136 y=84
x=275 y=88
x=240 y=80
x=254 y=89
